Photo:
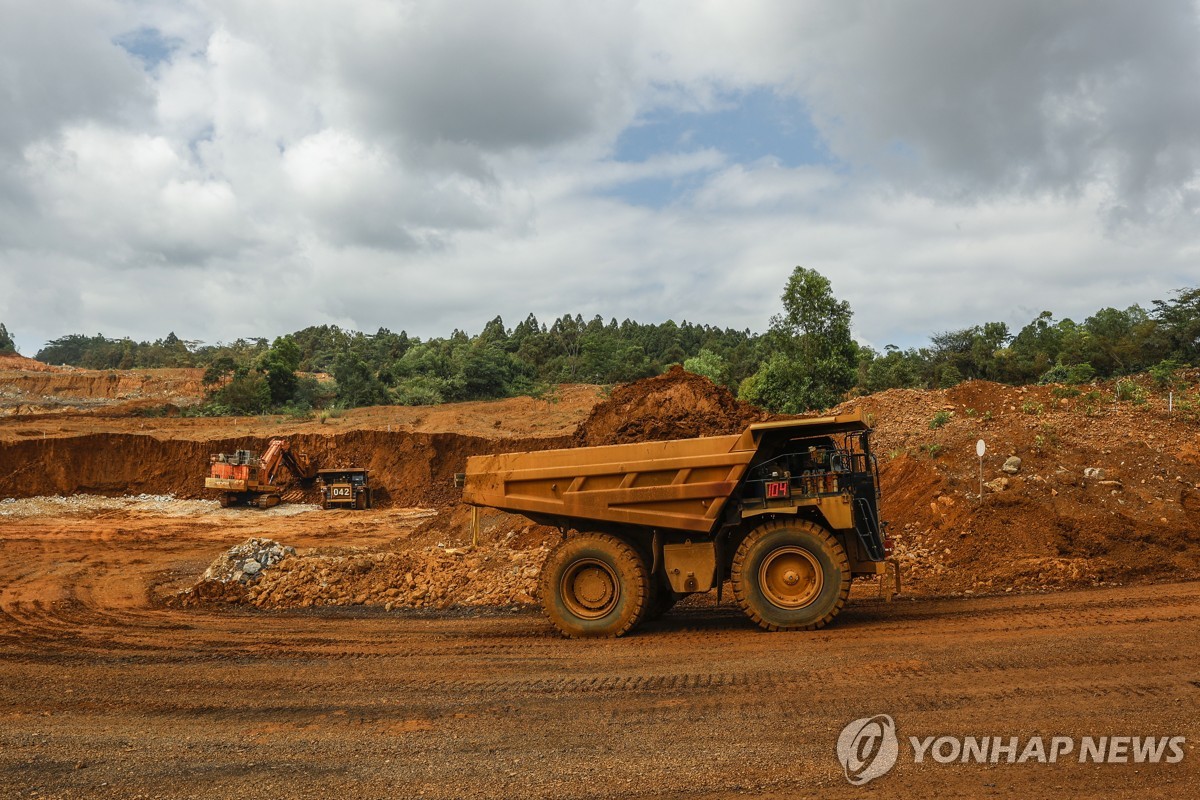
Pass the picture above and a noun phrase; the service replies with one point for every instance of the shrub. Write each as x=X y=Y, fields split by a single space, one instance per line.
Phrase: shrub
x=299 y=413
x=1074 y=374
x=1163 y=373
x=1080 y=373
x=246 y=394
x=1129 y=391
x=422 y=390
x=940 y=419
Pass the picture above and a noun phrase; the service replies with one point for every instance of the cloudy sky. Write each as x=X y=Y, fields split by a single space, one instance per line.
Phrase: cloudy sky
x=232 y=168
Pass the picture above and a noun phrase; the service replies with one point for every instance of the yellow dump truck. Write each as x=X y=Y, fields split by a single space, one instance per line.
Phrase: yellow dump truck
x=787 y=511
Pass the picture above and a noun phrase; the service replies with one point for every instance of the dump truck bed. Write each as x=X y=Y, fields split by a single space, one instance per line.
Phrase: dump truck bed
x=678 y=485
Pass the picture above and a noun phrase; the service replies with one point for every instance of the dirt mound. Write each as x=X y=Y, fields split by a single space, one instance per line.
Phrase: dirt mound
x=1105 y=491
x=675 y=405
x=15 y=361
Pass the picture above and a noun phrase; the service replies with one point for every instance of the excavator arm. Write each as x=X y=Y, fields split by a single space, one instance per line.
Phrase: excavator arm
x=300 y=465
x=279 y=453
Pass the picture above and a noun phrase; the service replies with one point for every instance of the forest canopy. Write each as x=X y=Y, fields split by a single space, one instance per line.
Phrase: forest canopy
x=806 y=360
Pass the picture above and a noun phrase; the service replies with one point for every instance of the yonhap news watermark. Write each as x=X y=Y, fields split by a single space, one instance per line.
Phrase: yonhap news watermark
x=868 y=748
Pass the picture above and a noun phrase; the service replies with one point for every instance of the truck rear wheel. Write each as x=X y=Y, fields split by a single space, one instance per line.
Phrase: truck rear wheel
x=594 y=585
x=791 y=575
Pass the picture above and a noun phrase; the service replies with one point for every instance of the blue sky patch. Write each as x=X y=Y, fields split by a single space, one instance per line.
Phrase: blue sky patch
x=752 y=126
x=148 y=45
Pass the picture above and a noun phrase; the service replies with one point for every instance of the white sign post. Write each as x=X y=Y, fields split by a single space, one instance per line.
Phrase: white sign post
x=980 y=449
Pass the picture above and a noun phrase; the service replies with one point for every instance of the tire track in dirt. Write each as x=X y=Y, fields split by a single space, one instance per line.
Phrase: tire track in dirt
x=211 y=702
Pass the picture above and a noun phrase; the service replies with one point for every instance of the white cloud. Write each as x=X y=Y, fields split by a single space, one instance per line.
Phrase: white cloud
x=127 y=198
x=426 y=165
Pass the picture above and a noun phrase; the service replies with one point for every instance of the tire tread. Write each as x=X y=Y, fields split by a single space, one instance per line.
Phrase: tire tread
x=738 y=578
x=628 y=561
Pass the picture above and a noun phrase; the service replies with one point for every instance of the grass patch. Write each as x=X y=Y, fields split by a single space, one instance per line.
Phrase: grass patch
x=940 y=419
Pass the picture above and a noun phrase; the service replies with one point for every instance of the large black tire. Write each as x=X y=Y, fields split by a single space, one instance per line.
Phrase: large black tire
x=594 y=585
x=791 y=575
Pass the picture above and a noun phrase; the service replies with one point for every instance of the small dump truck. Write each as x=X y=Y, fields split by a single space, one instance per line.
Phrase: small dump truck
x=244 y=478
x=348 y=487
x=787 y=512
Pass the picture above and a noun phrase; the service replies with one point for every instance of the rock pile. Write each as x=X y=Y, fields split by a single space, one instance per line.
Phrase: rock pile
x=245 y=562
x=495 y=574
x=434 y=577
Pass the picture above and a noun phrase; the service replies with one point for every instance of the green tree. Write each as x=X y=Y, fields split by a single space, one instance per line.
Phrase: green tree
x=7 y=345
x=485 y=370
x=280 y=363
x=813 y=356
x=1178 y=325
x=893 y=369
x=708 y=364
x=357 y=385
x=219 y=370
x=247 y=393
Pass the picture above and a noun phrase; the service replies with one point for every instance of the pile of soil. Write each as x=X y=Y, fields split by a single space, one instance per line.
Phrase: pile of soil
x=1105 y=492
x=675 y=405
x=15 y=361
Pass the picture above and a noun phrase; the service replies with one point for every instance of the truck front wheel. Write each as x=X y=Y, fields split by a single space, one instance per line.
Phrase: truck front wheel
x=594 y=585
x=791 y=575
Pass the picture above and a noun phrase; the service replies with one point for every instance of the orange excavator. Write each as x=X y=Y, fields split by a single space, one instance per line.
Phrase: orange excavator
x=243 y=478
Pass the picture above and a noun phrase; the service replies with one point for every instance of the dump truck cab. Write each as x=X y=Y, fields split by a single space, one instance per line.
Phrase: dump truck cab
x=786 y=511
x=348 y=487
x=824 y=471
